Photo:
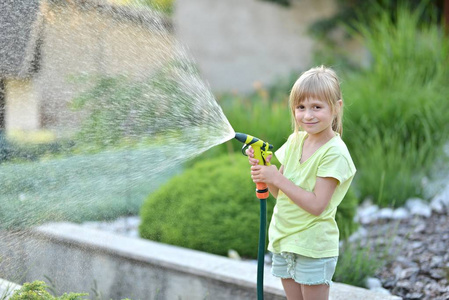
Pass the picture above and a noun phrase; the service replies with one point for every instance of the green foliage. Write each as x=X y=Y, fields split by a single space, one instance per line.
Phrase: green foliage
x=20 y=152
x=350 y=11
x=280 y=2
x=36 y=290
x=356 y=263
x=335 y=32
x=78 y=188
x=120 y=110
x=259 y=116
x=212 y=207
x=264 y=113
x=397 y=109
x=164 y=6
x=362 y=259
x=345 y=214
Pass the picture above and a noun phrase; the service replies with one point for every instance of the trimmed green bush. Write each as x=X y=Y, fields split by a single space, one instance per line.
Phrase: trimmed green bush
x=212 y=207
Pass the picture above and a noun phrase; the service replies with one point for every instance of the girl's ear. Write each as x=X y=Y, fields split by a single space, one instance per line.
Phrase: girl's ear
x=338 y=106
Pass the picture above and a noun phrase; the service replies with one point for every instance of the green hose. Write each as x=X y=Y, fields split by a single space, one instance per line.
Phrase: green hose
x=261 y=152
x=261 y=252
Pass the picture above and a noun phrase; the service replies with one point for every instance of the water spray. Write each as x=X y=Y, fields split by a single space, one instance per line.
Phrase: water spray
x=261 y=152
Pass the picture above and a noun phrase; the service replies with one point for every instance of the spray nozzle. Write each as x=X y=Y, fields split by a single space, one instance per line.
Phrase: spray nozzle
x=261 y=148
x=261 y=152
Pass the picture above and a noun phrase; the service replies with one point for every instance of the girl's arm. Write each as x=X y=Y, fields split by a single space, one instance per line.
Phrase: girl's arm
x=274 y=190
x=314 y=202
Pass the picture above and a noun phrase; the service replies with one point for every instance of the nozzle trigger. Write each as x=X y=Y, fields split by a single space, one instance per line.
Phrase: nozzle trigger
x=245 y=146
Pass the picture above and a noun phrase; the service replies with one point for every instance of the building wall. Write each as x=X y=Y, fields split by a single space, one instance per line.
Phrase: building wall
x=77 y=42
x=239 y=42
x=22 y=106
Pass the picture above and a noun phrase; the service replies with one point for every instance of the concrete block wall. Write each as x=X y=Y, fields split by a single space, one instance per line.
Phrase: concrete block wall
x=237 y=43
x=78 y=259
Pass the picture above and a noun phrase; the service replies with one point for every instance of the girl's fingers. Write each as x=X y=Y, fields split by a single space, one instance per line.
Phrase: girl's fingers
x=253 y=161
x=249 y=151
x=269 y=157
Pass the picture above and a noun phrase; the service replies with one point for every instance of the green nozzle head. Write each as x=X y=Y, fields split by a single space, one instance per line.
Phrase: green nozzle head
x=261 y=148
x=241 y=137
x=250 y=140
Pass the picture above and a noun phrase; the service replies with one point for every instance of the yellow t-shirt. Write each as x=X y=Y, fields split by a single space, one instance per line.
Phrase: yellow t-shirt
x=293 y=229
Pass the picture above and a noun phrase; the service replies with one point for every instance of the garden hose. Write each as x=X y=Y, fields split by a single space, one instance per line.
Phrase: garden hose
x=261 y=151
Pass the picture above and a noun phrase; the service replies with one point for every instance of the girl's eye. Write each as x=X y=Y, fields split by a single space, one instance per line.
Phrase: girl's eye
x=317 y=107
x=300 y=107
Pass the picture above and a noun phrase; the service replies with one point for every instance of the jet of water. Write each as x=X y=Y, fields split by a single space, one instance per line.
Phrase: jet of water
x=131 y=128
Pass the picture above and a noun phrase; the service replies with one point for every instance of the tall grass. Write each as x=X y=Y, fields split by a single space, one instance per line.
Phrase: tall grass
x=397 y=109
x=355 y=264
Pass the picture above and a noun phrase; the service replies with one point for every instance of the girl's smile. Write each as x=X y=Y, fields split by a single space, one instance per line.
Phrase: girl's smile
x=315 y=117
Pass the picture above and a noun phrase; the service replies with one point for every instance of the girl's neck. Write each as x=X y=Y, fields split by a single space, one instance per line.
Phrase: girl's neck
x=321 y=138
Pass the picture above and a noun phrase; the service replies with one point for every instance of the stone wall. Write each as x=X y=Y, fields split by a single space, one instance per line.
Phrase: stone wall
x=77 y=259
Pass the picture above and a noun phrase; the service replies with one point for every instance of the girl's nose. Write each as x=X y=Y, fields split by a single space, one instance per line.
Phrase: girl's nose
x=308 y=114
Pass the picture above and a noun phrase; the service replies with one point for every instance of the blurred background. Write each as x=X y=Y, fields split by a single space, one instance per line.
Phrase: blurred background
x=111 y=109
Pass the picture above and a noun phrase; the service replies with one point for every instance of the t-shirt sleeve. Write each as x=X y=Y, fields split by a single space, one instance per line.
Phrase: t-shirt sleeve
x=280 y=153
x=337 y=166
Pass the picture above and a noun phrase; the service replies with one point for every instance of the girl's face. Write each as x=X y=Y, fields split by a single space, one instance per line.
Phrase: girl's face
x=315 y=117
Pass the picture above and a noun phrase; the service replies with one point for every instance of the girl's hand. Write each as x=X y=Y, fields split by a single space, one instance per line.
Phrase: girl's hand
x=250 y=153
x=266 y=174
x=252 y=161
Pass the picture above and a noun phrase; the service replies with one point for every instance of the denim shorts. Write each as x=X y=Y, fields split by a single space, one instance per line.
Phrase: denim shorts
x=303 y=269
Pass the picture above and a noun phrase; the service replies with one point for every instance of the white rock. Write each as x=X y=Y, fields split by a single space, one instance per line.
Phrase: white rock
x=360 y=233
x=372 y=283
x=418 y=207
x=442 y=197
x=367 y=202
x=385 y=213
x=367 y=214
x=381 y=290
x=437 y=204
x=401 y=214
x=234 y=254
x=268 y=258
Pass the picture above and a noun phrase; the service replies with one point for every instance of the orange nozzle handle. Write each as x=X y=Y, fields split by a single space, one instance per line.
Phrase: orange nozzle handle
x=262 y=190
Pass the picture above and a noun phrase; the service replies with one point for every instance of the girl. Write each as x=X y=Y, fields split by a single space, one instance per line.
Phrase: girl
x=315 y=175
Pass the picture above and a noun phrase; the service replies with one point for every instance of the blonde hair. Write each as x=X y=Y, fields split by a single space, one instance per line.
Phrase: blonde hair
x=319 y=83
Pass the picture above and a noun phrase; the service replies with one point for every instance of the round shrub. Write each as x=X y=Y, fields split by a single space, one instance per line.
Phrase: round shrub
x=212 y=207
